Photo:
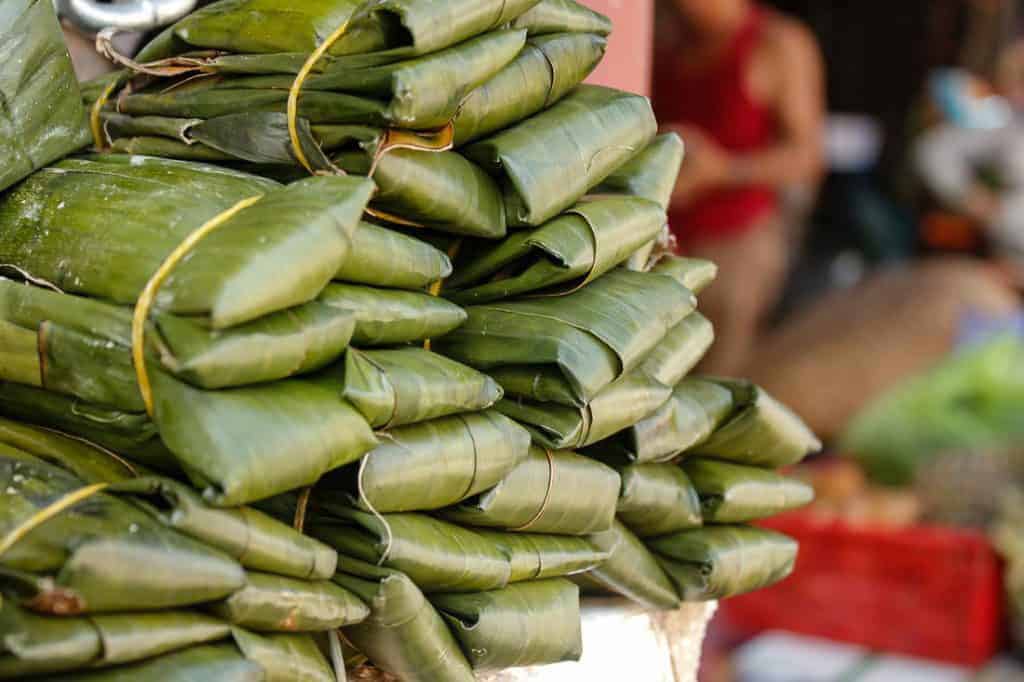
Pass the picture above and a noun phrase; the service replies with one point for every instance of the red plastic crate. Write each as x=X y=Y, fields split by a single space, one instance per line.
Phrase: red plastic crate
x=930 y=592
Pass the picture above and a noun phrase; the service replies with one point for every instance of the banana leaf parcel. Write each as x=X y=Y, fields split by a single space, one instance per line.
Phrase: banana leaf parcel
x=32 y=644
x=761 y=431
x=273 y=603
x=631 y=571
x=391 y=318
x=385 y=258
x=534 y=623
x=550 y=16
x=572 y=346
x=657 y=499
x=696 y=274
x=43 y=115
x=542 y=495
x=732 y=493
x=438 y=556
x=549 y=161
x=402 y=386
x=536 y=556
x=433 y=464
x=257 y=263
x=86 y=559
x=724 y=561
x=548 y=68
x=562 y=255
x=403 y=634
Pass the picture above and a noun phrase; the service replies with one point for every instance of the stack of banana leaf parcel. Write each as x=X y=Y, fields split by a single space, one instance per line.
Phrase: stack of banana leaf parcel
x=355 y=329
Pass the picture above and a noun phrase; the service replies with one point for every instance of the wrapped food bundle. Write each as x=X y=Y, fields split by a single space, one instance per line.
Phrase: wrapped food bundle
x=389 y=271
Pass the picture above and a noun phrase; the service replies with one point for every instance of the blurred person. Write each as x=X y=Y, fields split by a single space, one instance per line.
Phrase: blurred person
x=743 y=85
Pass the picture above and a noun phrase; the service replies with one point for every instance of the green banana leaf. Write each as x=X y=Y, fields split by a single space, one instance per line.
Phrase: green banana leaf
x=761 y=431
x=546 y=70
x=87 y=559
x=394 y=29
x=697 y=407
x=651 y=174
x=34 y=645
x=615 y=408
x=630 y=571
x=256 y=264
x=389 y=318
x=227 y=440
x=221 y=662
x=432 y=465
x=551 y=16
x=693 y=273
x=561 y=256
x=409 y=385
x=731 y=493
x=384 y=258
x=285 y=657
x=573 y=345
x=43 y=116
x=438 y=556
x=542 y=495
x=534 y=623
x=717 y=562
x=72 y=332
x=257 y=541
x=273 y=603
x=656 y=499
x=537 y=556
x=85 y=460
x=680 y=351
x=403 y=634
x=591 y=133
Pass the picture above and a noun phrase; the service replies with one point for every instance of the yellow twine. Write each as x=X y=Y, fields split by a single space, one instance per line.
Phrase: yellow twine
x=95 y=116
x=148 y=296
x=547 y=496
x=299 y=522
x=373 y=510
x=48 y=512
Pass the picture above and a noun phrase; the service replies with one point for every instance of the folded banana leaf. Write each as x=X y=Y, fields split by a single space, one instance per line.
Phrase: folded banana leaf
x=431 y=465
x=389 y=318
x=403 y=386
x=221 y=662
x=630 y=570
x=43 y=116
x=85 y=460
x=761 y=431
x=680 y=351
x=697 y=407
x=549 y=161
x=273 y=603
x=74 y=332
x=284 y=657
x=384 y=258
x=651 y=174
x=537 y=556
x=253 y=265
x=257 y=541
x=546 y=70
x=393 y=29
x=31 y=644
x=656 y=499
x=542 y=495
x=551 y=16
x=693 y=273
x=403 y=634
x=438 y=556
x=575 y=345
x=87 y=558
x=534 y=623
x=615 y=408
x=561 y=256
x=731 y=493
x=717 y=562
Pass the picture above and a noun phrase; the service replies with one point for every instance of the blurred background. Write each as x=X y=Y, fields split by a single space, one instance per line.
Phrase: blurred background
x=856 y=169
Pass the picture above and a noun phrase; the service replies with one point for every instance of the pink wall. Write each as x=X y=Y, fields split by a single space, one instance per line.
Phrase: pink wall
x=628 y=63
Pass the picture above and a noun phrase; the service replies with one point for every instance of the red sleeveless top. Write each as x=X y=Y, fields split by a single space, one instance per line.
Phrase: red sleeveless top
x=716 y=101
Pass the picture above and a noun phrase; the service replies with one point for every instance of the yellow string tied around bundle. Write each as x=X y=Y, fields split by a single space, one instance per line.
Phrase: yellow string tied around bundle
x=547 y=496
x=152 y=288
x=99 y=137
x=48 y=512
